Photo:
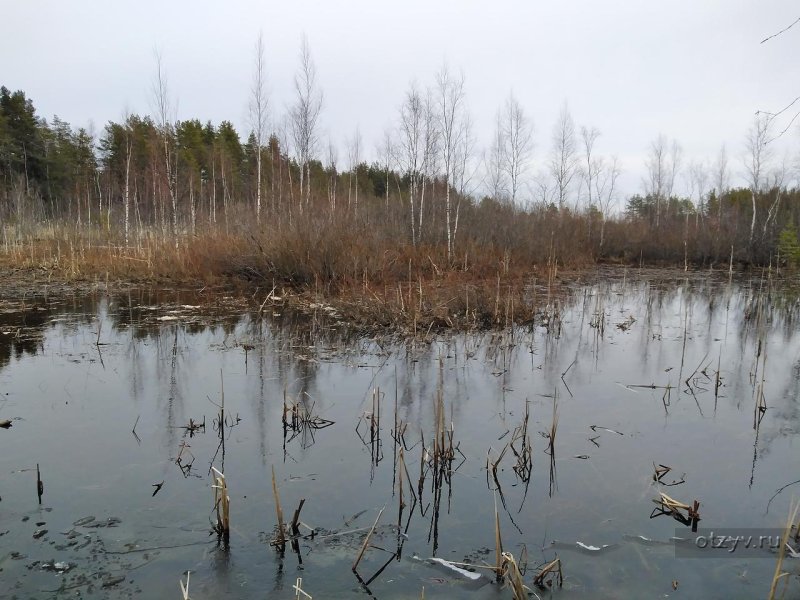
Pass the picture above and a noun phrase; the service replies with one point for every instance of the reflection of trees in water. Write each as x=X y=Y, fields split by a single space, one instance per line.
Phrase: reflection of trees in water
x=25 y=322
x=21 y=333
x=290 y=349
x=783 y=412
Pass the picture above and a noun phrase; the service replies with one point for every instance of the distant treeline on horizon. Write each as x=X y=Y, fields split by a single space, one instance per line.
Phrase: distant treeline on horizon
x=429 y=188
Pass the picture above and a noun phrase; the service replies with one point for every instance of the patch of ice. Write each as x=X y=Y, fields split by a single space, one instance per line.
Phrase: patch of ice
x=591 y=548
x=459 y=570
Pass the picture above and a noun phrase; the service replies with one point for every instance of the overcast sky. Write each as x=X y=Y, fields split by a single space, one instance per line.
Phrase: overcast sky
x=691 y=69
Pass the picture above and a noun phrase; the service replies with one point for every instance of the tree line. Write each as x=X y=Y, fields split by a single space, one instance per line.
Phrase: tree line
x=430 y=187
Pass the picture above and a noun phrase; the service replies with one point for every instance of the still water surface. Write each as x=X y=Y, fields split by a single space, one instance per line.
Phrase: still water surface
x=74 y=398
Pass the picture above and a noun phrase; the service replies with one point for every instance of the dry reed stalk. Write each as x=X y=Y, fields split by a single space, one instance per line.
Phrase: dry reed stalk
x=670 y=503
x=491 y=466
x=401 y=468
x=366 y=541
x=551 y=443
x=549 y=571
x=221 y=504
x=513 y=577
x=660 y=471
x=375 y=422
x=498 y=544
x=280 y=541
x=675 y=508
x=779 y=572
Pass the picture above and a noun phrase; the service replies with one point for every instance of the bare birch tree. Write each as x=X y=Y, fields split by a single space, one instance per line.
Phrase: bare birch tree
x=493 y=161
x=259 y=106
x=333 y=175
x=698 y=181
x=563 y=156
x=592 y=165
x=126 y=195
x=756 y=160
x=775 y=183
x=450 y=93
x=675 y=163
x=605 y=189
x=411 y=148
x=518 y=144
x=721 y=179
x=430 y=156
x=663 y=164
x=305 y=114
x=656 y=164
x=385 y=152
x=354 y=159
x=464 y=170
x=284 y=135
x=164 y=121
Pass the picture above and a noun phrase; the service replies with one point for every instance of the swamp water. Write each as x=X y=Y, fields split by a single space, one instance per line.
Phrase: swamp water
x=642 y=368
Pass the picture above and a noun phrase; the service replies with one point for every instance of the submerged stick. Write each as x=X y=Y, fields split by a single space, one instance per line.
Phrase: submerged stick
x=366 y=541
x=39 y=484
x=281 y=539
x=498 y=543
x=296 y=517
x=554 y=568
x=298 y=588
x=185 y=589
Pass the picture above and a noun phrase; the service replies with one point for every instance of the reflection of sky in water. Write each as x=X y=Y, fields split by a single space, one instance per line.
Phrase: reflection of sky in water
x=78 y=403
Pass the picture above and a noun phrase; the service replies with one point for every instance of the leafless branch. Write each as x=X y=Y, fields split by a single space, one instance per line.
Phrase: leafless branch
x=784 y=30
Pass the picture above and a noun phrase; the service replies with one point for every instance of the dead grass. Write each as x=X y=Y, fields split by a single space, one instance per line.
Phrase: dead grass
x=369 y=277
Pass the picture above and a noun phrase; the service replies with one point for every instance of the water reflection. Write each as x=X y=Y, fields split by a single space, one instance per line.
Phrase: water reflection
x=121 y=394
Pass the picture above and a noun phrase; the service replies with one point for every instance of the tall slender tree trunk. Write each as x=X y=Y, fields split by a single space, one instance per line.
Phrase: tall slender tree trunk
x=421 y=210
x=192 y=209
x=308 y=182
x=224 y=194
x=448 y=209
x=302 y=180
x=213 y=191
x=411 y=193
x=272 y=178
x=258 y=183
